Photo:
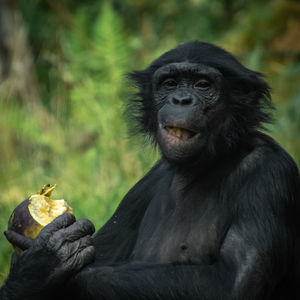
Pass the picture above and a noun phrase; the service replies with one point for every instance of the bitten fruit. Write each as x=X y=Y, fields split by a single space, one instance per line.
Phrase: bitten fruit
x=35 y=212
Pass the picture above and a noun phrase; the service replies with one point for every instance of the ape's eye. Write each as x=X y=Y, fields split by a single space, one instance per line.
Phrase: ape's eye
x=203 y=84
x=170 y=82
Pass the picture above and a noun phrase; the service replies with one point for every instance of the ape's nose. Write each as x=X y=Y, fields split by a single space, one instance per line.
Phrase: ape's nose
x=182 y=100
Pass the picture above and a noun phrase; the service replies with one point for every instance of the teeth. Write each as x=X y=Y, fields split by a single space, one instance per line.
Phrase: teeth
x=180 y=133
x=175 y=131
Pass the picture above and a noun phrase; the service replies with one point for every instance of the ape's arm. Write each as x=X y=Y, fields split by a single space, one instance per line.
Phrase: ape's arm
x=238 y=270
x=115 y=240
x=150 y=281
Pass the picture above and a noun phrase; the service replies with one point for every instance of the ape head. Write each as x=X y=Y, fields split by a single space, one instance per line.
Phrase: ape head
x=197 y=101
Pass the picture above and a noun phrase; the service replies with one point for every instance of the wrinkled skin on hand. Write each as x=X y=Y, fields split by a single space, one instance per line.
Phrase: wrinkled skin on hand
x=61 y=249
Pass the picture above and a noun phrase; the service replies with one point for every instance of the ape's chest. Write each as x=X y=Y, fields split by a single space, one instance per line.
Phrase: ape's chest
x=185 y=233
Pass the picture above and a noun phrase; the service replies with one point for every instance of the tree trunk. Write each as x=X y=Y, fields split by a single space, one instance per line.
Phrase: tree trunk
x=17 y=75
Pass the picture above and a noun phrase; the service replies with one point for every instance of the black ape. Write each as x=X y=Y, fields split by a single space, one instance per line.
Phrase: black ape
x=218 y=217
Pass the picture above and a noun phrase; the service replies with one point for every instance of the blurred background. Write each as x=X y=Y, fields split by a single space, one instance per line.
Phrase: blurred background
x=63 y=87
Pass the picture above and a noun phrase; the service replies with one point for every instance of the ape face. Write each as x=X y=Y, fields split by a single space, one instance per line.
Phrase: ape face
x=185 y=95
x=198 y=103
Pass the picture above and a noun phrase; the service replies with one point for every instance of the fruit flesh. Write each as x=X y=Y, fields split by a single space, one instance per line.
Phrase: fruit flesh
x=44 y=210
x=35 y=212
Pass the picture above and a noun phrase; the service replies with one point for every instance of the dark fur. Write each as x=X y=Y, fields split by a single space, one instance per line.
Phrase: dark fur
x=227 y=229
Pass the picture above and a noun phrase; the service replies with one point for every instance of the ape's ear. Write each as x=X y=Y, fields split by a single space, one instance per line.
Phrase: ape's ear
x=249 y=83
x=140 y=110
x=248 y=99
x=140 y=78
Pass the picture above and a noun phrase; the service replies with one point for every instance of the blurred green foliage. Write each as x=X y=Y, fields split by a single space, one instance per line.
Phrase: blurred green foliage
x=74 y=134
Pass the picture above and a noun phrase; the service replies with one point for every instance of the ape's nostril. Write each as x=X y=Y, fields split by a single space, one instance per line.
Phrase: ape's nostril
x=186 y=101
x=175 y=101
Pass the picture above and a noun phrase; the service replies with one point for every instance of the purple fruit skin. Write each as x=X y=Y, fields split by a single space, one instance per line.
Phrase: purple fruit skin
x=22 y=222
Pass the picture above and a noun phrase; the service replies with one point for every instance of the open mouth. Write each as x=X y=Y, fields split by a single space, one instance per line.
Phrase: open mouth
x=180 y=133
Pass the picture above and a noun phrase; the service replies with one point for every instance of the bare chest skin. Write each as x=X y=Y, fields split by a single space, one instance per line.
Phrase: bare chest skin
x=181 y=226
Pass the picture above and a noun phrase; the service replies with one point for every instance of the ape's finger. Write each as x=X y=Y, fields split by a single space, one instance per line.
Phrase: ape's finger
x=75 y=255
x=61 y=221
x=18 y=240
x=75 y=231
x=85 y=257
x=81 y=244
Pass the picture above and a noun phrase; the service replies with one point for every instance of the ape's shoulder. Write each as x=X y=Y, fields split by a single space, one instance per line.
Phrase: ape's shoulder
x=268 y=153
x=147 y=183
x=140 y=195
x=269 y=164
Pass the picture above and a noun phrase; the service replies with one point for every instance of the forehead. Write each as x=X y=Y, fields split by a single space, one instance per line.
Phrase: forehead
x=186 y=68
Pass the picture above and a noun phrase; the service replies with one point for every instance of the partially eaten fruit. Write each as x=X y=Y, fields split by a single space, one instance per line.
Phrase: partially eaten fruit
x=35 y=212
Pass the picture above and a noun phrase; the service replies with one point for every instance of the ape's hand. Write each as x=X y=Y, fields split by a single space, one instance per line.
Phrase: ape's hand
x=61 y=249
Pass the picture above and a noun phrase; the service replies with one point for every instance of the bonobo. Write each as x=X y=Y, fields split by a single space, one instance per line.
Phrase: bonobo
x=218 y=216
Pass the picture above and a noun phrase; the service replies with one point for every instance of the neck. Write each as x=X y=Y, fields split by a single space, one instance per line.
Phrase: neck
x=203 y=166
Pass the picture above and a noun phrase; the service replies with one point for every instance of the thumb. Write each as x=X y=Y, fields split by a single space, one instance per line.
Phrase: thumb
x=18 y=240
